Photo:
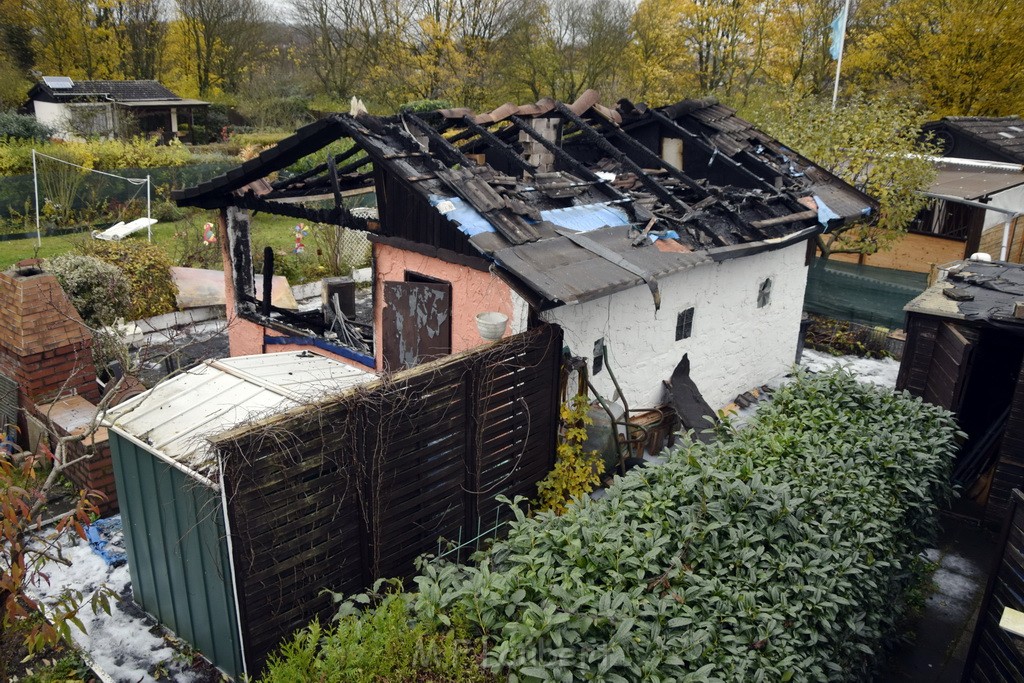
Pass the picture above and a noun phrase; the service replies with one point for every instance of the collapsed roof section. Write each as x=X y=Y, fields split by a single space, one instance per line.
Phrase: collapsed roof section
x=569 y=201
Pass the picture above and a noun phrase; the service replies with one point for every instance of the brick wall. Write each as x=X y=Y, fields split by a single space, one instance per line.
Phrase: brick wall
x=76 y=415
x=44 y=345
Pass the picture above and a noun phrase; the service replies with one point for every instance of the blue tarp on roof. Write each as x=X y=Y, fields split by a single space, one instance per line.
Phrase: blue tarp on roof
x=586 y=218
x=579 y=218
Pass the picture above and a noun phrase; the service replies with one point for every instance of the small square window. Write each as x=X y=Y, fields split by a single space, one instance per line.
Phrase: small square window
x=598 y=356
x=684 y=324
x=764 y=293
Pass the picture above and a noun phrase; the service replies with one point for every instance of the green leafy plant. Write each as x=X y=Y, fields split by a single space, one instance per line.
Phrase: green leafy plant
x=23 y=127
x=378 y=644
x=576 y=473
x=148 y=270
x=98 y=290
x=778 y=552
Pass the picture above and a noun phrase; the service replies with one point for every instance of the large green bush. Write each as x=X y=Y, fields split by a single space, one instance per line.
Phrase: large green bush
x=22 y=127
x=780 y=552
x=148 y=269
x=98 y=290
x=100 y=154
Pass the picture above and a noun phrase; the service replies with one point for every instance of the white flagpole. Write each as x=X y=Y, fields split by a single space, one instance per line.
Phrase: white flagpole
x=149 y=216
x=35 y=186
x=839 y=60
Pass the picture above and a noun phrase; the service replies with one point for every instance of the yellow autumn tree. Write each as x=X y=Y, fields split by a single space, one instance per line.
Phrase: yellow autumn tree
x=75 y=38
x=954 y=57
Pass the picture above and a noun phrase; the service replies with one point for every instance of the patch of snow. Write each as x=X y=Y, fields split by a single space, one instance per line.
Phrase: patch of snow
x=953 y=585
x=960 y=565
x=121 y=645
x=880 y=371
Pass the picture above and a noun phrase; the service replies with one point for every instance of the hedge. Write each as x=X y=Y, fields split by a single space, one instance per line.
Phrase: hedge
x=779 y=552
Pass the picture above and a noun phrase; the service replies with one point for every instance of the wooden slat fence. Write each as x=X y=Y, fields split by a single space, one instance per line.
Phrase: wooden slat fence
x=997 y=656
x=336 y=495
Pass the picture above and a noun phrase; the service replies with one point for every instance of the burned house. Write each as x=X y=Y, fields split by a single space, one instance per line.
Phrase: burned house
x=644 y=234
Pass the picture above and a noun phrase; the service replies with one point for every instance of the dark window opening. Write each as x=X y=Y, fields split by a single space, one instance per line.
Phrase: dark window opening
x=684 y=324
x=411 y=276
x=764 y=293
x=598 y=356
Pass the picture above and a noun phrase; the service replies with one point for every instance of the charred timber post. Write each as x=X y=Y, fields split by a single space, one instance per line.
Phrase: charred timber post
x=608 y=148
x=268 y=279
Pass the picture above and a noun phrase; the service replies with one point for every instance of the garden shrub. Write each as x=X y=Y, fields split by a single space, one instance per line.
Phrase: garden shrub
x=379 y=645
x=99 y=154
x=148 y=270
x=98 y=290
x=576 y=473
x=14 y=126
x=779 y=552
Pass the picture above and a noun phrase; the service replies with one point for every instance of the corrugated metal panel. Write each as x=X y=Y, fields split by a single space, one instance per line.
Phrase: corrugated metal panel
x=177 y=553
x=178 y=416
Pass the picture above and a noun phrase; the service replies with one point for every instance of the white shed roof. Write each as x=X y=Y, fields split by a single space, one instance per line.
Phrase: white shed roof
x=176 y=418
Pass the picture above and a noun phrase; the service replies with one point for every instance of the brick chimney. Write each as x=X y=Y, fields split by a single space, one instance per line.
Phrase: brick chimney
x=45 y=348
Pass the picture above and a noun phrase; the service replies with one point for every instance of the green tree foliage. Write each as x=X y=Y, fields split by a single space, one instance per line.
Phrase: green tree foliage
x=872 y=144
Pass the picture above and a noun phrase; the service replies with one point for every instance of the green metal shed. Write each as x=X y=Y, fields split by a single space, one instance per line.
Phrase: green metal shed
x=169 y=486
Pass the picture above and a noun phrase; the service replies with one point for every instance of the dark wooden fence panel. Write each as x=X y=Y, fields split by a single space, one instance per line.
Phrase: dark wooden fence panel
x=996 y=655
x=336 y=495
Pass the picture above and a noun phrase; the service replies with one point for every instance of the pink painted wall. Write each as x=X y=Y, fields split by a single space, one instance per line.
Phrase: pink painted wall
x=473 y=291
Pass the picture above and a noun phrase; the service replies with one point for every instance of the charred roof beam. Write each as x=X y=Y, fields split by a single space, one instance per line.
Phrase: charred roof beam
x=650 y=157
x=740 y=168
x=451 y=154
x=497 y=144
x=566 y=158
x=608 y=148
x=318 y=169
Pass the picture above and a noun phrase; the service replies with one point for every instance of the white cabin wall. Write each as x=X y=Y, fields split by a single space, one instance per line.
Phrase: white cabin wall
x=734 y=345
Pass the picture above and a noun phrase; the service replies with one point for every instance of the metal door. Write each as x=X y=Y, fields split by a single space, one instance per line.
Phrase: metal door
x=417 y=323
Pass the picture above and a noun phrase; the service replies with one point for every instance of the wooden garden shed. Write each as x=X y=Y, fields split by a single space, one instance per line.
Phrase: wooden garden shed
x=965 y=352
x=173 y=504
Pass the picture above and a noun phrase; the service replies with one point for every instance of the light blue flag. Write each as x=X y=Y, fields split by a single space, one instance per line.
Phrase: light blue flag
x=838 y=31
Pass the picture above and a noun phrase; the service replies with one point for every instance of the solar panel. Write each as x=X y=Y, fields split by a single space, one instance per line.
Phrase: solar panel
x=59 y=82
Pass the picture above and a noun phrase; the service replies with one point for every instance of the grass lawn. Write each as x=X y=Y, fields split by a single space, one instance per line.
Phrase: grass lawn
x=273 y=231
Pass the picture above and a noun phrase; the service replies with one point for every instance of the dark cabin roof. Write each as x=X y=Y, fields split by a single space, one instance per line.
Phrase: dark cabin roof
x=977 y=292
x=577 y=231
x=980 y=137
x=117 y=91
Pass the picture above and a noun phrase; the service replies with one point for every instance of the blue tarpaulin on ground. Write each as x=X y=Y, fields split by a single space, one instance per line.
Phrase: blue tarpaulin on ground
x=107 y=540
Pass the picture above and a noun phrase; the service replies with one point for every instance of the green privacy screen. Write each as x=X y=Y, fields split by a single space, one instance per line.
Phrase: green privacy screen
x=861 y=294
x=177 y=552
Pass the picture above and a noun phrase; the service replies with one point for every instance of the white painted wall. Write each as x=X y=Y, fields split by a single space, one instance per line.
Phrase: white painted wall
x=51 y=114
x=734 y=347
x=1012 y=199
